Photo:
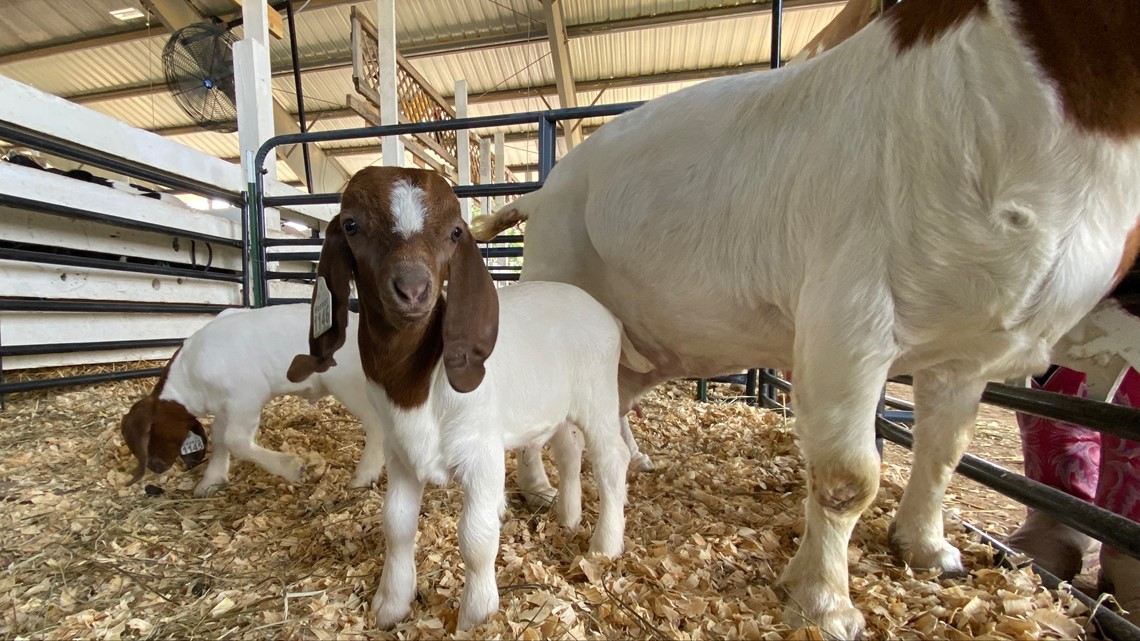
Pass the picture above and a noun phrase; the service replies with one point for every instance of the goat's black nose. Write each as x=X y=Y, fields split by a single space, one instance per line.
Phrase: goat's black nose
x=410 y=288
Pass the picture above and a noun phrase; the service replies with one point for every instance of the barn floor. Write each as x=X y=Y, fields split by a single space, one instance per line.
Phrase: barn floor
x=708 y=534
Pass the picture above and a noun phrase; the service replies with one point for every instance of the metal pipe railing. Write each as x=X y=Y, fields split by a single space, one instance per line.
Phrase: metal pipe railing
x=1097 y=522
x=110 y=306
x=54 y=209
x=48 y=383
x=25 y=137
x=95 y=346
x=29 y=256
x=546 y=120
x=1102 y=417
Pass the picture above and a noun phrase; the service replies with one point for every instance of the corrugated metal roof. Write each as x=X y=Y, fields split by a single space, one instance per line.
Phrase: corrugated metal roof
x=324 y=39
x=32 y=23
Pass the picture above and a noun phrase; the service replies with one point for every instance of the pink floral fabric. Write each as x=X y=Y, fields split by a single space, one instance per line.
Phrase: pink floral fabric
x=1088 y=465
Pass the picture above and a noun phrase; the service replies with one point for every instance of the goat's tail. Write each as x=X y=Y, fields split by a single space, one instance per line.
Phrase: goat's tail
x=487 y=227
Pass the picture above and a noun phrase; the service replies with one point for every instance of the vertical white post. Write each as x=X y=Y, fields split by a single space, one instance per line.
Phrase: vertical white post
x=500 y=164
x=463 y=147
x=254 y=88
x=392 y=147
x=485 y=172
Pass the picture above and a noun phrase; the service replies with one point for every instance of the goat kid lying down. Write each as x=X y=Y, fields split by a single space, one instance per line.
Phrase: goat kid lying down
x=459 y=381
x=230 y=368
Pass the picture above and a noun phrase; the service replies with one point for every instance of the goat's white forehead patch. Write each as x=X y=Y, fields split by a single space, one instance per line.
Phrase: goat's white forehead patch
x=408 y=209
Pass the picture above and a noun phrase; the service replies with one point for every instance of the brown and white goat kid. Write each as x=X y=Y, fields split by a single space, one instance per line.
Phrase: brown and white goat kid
x=945 y=193
x=460 y=380
x=230 y=368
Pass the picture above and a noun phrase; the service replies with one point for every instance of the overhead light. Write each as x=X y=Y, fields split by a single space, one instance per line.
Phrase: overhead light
x=130 y=13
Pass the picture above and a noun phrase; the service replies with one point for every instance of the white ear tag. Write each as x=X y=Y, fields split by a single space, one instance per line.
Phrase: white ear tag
x=322 y=308
x=193 y=443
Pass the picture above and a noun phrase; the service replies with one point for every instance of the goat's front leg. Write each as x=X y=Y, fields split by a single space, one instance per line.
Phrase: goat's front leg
x=372 y=459
x=218 y=469
x=393 y=600
x=840 y=369
x=531 y=477
x=484 y=503
x=946 y=412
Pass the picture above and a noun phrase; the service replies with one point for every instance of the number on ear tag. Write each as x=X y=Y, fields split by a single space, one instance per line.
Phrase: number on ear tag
x=322 y=308
x=193 y=443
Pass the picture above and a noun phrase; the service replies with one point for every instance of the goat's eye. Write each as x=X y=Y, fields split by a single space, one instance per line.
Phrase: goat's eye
x=350 y=227
x=456 y=233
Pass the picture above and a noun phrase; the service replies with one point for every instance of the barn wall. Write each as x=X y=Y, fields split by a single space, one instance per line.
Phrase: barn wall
x=64 y=240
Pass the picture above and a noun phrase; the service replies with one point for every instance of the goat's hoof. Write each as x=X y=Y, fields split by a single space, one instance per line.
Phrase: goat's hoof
x=474 y=612
x=641 y=463
x=360 y=483
x=366 y=476
x=387 y=613
x=540 y=499
x=936 y=553
x=569 y=519
x=840 y=623
x=611 y=549
x=207 y=488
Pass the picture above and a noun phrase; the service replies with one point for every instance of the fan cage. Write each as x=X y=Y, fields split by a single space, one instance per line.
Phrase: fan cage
x=197 y=63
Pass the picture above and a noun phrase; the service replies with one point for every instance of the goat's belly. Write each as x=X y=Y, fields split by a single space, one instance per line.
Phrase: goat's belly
x=695 y=342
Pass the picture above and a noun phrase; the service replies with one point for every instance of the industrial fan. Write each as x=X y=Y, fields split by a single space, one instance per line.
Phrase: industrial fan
x=198 y=64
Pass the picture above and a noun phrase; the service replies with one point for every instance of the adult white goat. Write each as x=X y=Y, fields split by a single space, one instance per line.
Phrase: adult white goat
x=944 y=194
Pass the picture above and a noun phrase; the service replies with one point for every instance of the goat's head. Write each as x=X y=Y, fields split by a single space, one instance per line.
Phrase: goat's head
x=155 y=431
x=399 y=235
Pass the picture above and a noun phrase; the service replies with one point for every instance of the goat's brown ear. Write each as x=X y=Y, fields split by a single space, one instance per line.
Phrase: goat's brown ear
x=135 y=428
x=335 y=268
x=471 y=317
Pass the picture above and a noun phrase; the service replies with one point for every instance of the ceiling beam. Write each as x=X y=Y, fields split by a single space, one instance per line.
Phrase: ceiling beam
x=373 y=149
x=665 y=19
x=616 y=83
x=344 y=60
x=131 y=34
x=312 y=116
x=330 y=63
x=546 y=90
x=563 y=70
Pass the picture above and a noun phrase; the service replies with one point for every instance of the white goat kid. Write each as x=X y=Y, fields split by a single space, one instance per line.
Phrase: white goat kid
x=230 y=368
x=461 y=380
x=944 y=194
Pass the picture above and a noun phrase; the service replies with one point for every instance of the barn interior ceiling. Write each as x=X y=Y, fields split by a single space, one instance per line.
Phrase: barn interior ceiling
x=107 y=55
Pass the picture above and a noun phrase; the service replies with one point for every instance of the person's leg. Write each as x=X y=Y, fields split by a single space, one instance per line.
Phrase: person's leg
x=1119 y=491
x=1066 y=457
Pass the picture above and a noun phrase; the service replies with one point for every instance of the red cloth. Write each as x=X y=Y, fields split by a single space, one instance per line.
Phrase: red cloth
x=1103 y=469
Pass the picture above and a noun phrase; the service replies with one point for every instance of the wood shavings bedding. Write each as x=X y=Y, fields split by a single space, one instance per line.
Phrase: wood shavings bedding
x=707 y=536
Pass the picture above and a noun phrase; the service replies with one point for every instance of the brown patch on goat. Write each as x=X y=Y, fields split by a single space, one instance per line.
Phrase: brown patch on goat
x=841 y=490
x=1128 y=256
x=1091 y=52
x=154 y=430
x=396 y=352
x=924 y=21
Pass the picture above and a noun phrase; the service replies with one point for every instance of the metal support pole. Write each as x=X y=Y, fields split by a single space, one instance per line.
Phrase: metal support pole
x=547 y=147
x=245 y=236
x=703 y=390
x=255 y=252
x=751 y=386
x=777 y=27
x=300 y=93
